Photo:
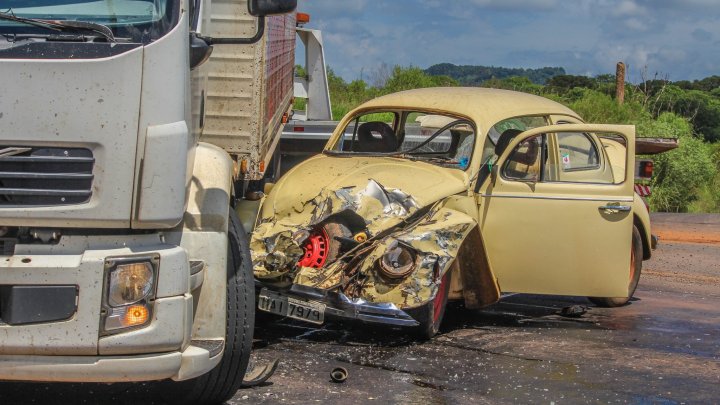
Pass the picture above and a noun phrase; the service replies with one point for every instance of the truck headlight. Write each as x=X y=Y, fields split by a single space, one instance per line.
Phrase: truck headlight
x=129 y=292
x=129 y=283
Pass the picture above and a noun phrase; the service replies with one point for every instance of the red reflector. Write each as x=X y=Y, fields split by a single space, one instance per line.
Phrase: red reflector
x=303 y=18
x=298 y=129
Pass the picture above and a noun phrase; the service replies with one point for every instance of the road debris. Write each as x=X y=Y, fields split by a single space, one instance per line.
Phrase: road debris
x=339 y=375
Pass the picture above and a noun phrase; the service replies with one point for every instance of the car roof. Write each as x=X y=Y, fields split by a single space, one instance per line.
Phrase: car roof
x=485 y=106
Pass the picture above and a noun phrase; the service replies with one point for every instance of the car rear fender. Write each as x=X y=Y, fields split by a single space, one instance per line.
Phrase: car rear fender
x=641 y=219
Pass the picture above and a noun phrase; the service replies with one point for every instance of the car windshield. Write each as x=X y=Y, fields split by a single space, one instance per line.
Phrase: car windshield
x=440 y=139
x=133 y=20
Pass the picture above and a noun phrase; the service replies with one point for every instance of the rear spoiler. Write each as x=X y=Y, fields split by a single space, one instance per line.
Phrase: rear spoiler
x=649 y=146
x=653 y=146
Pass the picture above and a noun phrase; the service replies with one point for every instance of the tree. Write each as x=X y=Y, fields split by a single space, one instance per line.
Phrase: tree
x=567 y=82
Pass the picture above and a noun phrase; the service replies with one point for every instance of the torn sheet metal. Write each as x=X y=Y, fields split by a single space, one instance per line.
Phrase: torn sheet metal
x=381 y=203
x=435 y=238
x=276 y=243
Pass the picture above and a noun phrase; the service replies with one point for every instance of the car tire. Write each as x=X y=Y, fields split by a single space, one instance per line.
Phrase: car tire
x=430 y=315
x=636 y=256
x=335 y=229
x=221 y=383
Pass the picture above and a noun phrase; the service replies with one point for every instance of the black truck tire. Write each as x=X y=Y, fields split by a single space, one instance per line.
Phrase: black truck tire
x=223 y=381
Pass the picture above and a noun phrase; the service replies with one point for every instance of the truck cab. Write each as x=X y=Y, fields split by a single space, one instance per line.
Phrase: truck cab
x=118 y=172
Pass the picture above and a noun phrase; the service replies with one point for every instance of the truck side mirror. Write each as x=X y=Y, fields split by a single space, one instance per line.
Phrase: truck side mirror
x=261 y=8
x=200 y=51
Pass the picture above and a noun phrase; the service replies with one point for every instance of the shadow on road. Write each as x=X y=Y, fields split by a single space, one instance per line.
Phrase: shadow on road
x=516 y=311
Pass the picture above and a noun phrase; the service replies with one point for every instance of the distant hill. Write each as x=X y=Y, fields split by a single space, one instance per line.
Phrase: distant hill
x=469 y=75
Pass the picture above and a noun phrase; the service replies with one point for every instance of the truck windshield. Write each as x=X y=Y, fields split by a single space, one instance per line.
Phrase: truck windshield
x=133 y=20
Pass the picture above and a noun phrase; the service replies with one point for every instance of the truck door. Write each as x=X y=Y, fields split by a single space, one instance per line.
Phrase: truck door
x=556 y=211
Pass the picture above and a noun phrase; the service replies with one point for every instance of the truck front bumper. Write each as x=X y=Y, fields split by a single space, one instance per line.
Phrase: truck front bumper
x=191 y=362
x=77 y=348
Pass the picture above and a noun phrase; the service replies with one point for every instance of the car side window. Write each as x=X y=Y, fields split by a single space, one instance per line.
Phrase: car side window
x=519 y=123
x=580 y=160
x=577 y=152
x=525 y=162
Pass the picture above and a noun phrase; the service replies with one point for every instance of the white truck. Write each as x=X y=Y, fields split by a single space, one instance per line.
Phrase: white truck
x=126 y=148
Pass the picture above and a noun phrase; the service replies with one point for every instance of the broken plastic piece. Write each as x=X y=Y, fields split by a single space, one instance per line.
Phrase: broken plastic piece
x=260 y=374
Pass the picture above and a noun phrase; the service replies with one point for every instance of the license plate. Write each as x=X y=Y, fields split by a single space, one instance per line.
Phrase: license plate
x=272 y=302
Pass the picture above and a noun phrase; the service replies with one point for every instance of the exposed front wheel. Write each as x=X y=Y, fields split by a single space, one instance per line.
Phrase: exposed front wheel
x=636 y=255
x=430 y=315
x=223 y=381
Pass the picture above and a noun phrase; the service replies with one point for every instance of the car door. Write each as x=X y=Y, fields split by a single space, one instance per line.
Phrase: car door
x=556 y=212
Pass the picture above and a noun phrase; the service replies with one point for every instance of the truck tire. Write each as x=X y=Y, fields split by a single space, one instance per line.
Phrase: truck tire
x=430 y=315
x=636 y=255
x=220 y=384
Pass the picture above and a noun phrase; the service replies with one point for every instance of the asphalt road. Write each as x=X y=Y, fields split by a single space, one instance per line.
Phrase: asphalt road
x=662 y=348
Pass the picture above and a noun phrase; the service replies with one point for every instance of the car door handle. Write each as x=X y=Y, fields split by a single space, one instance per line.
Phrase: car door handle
x=614 y=208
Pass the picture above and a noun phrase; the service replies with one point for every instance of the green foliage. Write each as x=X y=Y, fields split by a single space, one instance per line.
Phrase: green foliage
x=516 y=83
x=697 y=105
x=346 y=96
x=708 y=197
x=600 y=108
x=300 y=71
x=469 y=75
x=567 y=82
x=681 y=175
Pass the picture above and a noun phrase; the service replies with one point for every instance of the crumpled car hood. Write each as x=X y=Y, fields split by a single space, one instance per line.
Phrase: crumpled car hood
x=425 y=183
x=392 y=199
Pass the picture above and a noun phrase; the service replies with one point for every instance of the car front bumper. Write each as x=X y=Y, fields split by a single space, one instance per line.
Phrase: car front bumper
x=339 y=306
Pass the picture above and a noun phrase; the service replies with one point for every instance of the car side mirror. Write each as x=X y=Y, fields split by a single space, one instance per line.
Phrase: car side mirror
x=261 y=8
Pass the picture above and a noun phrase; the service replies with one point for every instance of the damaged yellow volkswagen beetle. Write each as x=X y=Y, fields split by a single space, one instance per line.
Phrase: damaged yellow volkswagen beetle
x=452 y=193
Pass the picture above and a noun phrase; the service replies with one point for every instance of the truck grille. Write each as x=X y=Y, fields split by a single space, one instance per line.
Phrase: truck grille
x=40 y=176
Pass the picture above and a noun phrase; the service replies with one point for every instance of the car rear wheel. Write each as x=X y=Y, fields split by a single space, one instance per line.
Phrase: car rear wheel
x=430 y=315
x=636 y=255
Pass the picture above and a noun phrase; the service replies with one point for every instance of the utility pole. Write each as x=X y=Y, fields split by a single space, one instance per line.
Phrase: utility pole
x=620 y=83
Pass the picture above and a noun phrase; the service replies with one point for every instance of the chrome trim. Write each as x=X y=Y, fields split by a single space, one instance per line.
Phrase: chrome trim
x=338 y=305
x=615 y=208
x=539 y=197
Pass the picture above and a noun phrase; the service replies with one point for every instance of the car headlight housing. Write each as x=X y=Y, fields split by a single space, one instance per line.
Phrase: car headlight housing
x=129 y=292
x=397 y=262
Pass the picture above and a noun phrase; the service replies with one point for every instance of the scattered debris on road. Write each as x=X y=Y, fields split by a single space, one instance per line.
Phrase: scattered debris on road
x=339 y=375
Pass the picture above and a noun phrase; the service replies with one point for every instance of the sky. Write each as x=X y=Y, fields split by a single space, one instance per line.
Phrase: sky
x=673 y=39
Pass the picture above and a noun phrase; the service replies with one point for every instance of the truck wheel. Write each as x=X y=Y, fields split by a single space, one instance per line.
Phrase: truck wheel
x=430 y=315
x=636 y=255
x=223 y=381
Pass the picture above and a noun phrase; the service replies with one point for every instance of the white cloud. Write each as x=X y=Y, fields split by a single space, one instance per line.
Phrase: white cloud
x=584 y=36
